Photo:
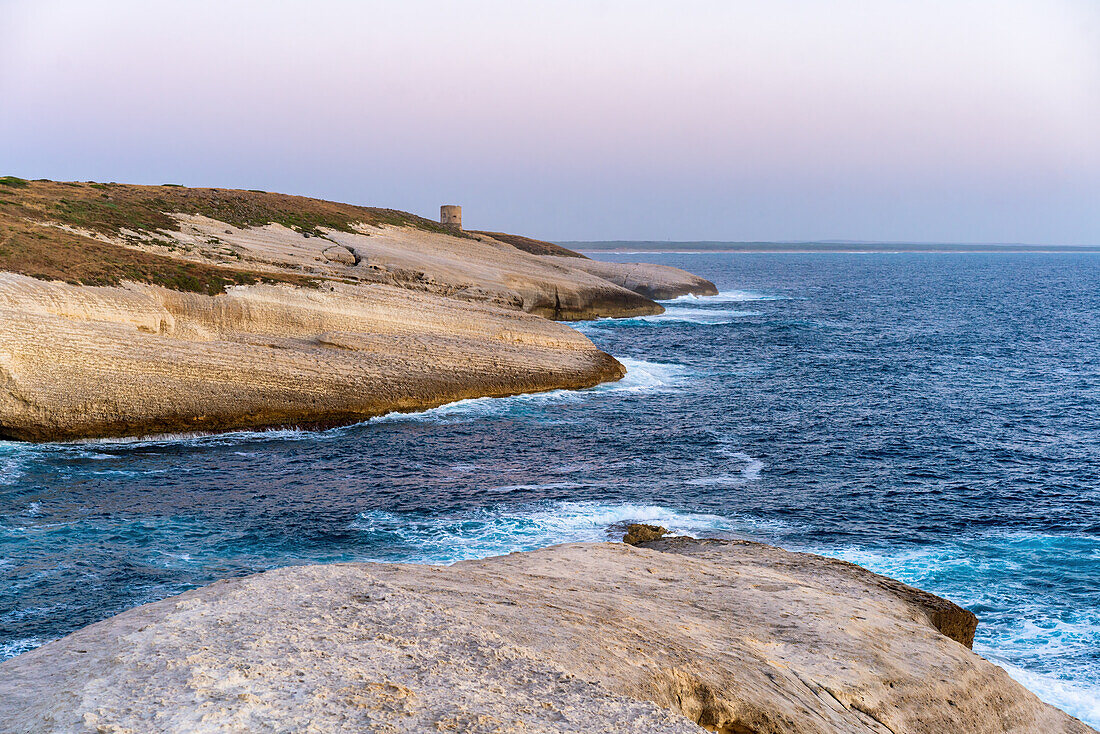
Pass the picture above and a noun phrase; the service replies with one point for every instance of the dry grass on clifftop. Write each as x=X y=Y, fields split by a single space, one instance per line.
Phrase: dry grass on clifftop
x=41 y=226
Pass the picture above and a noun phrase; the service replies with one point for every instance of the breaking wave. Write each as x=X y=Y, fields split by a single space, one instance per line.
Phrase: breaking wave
x=641 y=376
x=494 y=531
x=734 y=296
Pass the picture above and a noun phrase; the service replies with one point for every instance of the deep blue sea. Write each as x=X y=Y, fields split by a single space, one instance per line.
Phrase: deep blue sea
x=934 y=417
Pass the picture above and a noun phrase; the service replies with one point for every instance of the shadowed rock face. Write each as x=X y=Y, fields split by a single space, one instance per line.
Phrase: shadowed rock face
x=737 y=637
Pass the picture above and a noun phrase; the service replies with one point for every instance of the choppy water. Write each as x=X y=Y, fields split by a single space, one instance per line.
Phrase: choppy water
x=932 y=417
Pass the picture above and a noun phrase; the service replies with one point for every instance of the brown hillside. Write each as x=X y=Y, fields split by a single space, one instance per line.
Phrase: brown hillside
x=132 y=213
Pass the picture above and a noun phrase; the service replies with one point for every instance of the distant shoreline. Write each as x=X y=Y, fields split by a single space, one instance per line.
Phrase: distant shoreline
x=643 y=246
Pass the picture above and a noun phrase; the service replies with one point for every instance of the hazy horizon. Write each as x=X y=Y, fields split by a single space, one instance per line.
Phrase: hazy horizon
x=930 y=243
x=952 y=122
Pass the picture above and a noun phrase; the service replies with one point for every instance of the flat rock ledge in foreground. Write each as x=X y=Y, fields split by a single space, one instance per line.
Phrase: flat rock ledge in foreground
x=738 y=637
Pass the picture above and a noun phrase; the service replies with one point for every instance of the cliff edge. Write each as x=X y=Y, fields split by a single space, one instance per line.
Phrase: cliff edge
x=135 y=310
x=671 y=636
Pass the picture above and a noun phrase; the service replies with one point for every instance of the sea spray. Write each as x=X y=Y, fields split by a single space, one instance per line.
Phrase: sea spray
x=506 y=528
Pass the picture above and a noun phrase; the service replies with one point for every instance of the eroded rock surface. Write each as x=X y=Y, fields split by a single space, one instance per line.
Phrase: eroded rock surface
x=113 y=319
x=738 y=637
x=637 y=533
x=659 y=282
x=79 y=361
x=102 y=234
x=468 y=268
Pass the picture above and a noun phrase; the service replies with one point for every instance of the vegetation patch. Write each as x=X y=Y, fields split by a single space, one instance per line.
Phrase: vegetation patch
x=145 y=215
x=53 y=254
x=109 y=216
x=107 y=208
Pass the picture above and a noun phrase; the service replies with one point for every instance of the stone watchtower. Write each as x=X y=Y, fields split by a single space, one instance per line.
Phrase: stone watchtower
x=450 y=216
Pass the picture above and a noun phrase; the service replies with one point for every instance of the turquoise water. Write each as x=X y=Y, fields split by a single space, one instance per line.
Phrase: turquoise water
x=933 y=417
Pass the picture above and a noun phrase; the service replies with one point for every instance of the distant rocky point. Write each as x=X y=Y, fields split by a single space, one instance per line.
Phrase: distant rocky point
x=669 y=636
x=132 y=310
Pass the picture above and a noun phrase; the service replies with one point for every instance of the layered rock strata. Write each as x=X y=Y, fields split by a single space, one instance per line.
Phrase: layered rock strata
x=474 y=268
x=79 y=361
x=132 y=310
x=676 y=634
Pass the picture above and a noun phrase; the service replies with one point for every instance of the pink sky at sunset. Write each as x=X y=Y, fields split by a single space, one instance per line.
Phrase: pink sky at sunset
x=931 y=121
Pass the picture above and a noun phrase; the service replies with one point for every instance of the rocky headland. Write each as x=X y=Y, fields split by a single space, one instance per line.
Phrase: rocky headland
x=668 y=636
x=134 y=310
x=659 y=282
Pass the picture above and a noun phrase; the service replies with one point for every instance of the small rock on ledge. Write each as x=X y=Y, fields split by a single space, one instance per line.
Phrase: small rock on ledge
x=637 y=532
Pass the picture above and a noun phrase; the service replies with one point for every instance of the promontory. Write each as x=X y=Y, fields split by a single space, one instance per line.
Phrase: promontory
x=134 y=310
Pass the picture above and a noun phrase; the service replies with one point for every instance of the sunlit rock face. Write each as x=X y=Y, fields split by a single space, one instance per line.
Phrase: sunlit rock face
x=79 y=361
x=673 y=634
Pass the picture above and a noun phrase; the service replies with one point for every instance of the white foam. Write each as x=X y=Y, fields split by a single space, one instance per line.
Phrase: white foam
x=197 y=438
x=13 y=457
x=96 y=456
x=734 y=296
x=748 y=472
x=641 y=376
x=697 y=316
x=19 y=646
x=747 y=467
x=672 y=315
x=495 y=531
x=530 y=487
x=1076 y=699
x=752 y=468
x=128 y=472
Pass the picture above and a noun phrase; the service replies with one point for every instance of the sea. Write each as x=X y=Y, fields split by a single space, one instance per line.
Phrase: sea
x=933 y=417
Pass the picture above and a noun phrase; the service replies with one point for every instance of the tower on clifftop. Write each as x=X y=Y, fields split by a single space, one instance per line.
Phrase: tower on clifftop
x=450 y=216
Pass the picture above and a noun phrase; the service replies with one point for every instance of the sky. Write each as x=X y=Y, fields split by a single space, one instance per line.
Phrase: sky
x=952 y=121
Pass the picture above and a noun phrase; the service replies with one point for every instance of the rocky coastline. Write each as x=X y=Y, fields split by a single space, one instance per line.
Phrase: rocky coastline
x=670 y=635
x=134 y=310
x=138 y=310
